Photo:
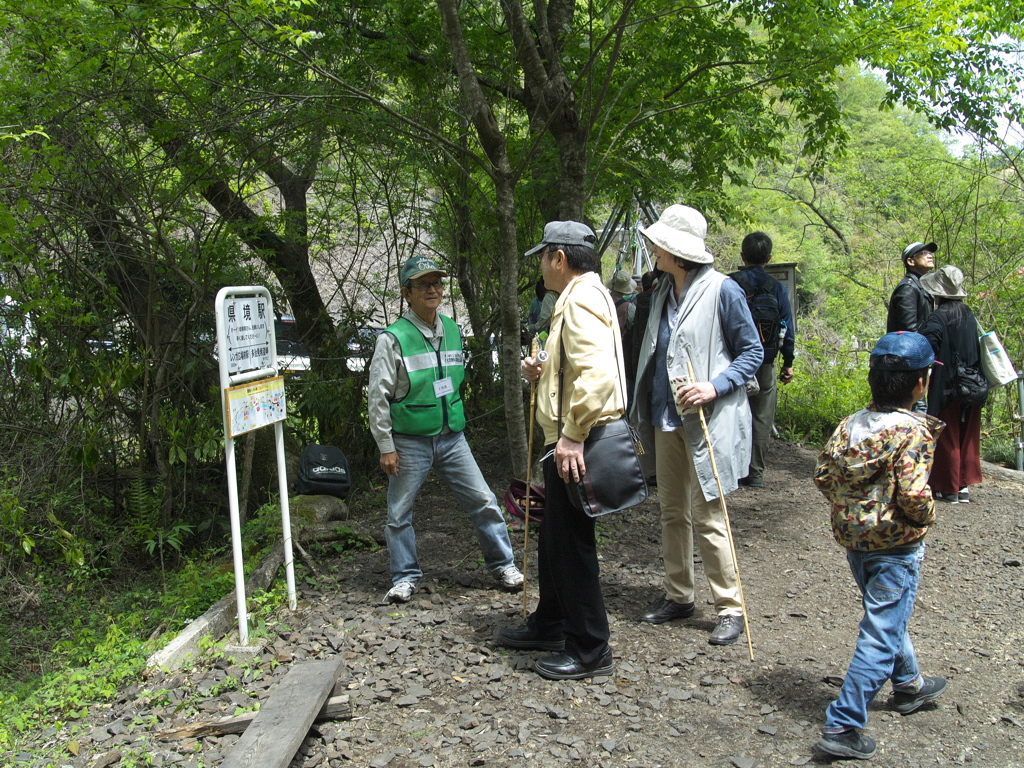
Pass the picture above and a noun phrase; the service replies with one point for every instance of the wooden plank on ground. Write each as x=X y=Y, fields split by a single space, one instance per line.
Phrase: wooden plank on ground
x=335 y=708
x=277 y=731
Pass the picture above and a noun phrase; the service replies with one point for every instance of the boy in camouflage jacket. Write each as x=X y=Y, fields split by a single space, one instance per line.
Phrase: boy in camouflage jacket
x=875 y=471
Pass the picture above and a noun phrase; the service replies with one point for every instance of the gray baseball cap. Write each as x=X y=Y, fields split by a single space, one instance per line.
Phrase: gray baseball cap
x=565 y=233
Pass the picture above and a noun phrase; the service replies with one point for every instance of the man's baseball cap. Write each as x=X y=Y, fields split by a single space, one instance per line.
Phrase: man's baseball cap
x=565 y=233
x=420 y=265
x=915 y=248
x=913 y=350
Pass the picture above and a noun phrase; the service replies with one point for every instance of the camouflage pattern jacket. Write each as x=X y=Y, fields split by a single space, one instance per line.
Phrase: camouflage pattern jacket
x=874 y=470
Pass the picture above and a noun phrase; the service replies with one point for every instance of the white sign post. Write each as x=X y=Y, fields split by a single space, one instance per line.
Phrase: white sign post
x=253 y=393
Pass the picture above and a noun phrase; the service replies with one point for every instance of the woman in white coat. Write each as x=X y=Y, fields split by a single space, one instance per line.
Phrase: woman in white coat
x=700 y=316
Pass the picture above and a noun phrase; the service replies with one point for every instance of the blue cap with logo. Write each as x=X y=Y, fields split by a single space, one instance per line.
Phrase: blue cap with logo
x=911 y=351
x=420 y=265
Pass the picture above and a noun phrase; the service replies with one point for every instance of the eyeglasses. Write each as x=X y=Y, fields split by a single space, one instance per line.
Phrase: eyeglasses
x=437 y=285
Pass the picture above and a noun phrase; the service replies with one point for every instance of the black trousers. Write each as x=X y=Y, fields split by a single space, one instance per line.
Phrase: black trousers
x=569 y=574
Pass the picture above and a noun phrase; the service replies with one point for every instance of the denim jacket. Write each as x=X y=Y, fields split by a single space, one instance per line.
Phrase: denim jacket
x=874 y=469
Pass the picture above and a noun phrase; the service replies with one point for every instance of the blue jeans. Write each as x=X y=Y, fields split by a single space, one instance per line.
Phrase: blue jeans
x=450 y=456
x=888 y=581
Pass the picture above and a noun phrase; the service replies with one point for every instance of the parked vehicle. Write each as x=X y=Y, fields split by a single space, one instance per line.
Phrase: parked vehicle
x=360 y=347
x=292 y=356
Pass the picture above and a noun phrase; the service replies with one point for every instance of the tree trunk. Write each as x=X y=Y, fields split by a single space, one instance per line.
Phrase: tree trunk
x=481 y=374
x=288 y=256
x=495 y=146
x=508 y=307
x=572 y=150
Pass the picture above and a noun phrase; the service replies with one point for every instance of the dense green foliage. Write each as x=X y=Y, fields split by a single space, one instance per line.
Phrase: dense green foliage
x=75 y=641
x=154 y=153
x=846 y=217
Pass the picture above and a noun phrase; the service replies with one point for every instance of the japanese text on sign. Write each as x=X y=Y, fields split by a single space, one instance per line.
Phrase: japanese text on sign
x=248 y=334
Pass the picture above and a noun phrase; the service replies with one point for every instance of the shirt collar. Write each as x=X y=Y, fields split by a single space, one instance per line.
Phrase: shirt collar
x=426 y=330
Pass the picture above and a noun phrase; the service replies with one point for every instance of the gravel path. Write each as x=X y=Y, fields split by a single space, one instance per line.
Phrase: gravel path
x=430 y=687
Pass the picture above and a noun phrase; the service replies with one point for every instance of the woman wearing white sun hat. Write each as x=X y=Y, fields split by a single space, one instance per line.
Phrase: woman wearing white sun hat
x=698 y=316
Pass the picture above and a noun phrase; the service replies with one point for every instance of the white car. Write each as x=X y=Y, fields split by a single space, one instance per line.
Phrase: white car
x=292 y=356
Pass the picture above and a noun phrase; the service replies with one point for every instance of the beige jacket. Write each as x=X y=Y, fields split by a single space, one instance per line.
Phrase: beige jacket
x=592 y=383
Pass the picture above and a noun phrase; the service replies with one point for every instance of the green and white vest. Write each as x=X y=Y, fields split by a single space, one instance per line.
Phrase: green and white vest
x=421 y=412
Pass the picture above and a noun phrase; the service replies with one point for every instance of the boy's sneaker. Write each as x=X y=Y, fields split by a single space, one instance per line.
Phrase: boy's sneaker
x=949 y=498
x=964 y=497
x=931 y=688
x=509 y=578
x=400 y=593
x=850 y=743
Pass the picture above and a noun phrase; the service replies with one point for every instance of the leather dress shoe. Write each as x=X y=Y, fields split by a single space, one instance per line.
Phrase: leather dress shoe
x=528 y=639
x=727 y=631
x=667 y=610
x=565 y=666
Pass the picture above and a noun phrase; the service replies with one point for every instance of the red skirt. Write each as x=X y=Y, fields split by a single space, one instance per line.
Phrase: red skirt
x=958 y=453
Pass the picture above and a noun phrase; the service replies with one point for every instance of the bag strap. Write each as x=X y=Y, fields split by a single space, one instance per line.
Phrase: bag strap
x=749 y=289
x=954 y=355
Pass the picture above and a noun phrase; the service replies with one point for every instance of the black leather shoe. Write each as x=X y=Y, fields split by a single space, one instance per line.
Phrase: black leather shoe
x=727 y=630
x=528 y=639
x=667 y=610
x=565 y=666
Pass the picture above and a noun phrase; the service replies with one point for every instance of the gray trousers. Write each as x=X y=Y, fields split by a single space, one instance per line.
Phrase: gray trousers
x=762 y=411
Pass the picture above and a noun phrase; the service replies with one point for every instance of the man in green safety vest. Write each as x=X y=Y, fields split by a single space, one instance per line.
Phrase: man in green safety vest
x=417 y=418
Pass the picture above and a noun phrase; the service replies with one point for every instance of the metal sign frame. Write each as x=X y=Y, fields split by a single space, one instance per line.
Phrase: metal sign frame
x=227 y=382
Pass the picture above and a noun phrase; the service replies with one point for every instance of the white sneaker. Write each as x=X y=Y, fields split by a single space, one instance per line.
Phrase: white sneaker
x=400 y=593
x=509 y=577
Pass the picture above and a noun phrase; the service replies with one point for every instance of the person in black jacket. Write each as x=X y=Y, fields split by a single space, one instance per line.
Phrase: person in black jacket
x=632 y=341
x=952 y=331
x=756 y=251
x=910 y=305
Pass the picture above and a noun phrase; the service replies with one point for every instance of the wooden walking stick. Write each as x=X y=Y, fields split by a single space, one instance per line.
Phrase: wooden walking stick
x=529 y=466
x=725 y=514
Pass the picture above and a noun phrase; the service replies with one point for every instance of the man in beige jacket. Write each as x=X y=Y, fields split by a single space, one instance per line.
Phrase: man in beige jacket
x=581 y=390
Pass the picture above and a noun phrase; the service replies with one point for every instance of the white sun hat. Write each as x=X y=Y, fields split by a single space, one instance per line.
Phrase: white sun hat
x=681 y=231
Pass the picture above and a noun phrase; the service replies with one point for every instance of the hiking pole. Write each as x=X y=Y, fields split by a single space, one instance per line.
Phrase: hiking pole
x=529 y=466
x=725 y=514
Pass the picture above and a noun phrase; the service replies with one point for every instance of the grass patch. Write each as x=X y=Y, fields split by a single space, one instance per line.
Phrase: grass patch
x=827 y=387
x=76 y=636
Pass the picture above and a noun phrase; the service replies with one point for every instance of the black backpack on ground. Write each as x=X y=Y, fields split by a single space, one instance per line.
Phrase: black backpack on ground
x=764 y=308
x=323 y=469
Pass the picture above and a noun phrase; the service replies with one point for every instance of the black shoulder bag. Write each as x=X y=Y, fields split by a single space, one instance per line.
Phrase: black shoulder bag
x=611 y=453
x=965 y=383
